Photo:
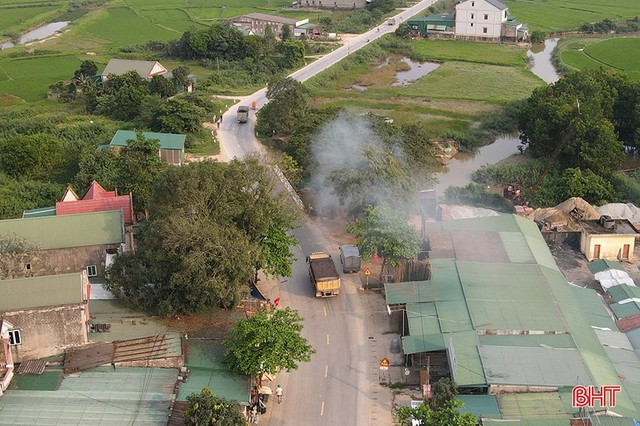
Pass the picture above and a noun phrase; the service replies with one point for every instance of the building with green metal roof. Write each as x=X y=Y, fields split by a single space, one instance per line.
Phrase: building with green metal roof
x=171 y=144
x=502 y=315
x=66 y=243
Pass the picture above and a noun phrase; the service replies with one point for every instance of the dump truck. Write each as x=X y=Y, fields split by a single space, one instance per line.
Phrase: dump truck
x=391 y=21
x=243 y=114
x=323 y=274
x=349 y=258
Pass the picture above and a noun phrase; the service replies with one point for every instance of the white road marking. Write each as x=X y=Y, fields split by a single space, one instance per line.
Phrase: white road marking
x=326 y=370
x=327 y=338
x=325 y=310
x=322 y=409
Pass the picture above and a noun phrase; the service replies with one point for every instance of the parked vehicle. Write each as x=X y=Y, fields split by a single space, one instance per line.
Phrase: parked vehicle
x=349 y=258
x=323 y=274
x=243 y=114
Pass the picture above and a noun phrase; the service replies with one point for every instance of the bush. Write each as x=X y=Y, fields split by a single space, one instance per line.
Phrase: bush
x=537 y=37
x=477 y=195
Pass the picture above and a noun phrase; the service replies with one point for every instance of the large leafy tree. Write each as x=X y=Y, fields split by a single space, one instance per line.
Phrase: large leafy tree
x=287 y=106
x=208 y=409
x=268 y=342
x=449 y=415
x=575 y=117
x=34 y=156
x=211 y=225
x=385 y=231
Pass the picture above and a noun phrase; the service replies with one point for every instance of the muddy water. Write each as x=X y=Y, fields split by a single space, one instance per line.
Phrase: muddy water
x=541 y=61
x=417 y=70
x=458 y=170
x=37 y=34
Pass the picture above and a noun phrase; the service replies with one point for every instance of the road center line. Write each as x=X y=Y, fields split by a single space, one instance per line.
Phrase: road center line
x=326 y=370
x=322 y=409
x=325 y=310
x=327 y=338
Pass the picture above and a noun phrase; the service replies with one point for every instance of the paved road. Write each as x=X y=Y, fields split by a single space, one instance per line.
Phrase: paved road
x=334 y=388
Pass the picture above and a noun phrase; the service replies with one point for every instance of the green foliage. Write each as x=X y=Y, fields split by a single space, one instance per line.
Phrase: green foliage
x=287 y=34
x=207 y=409
x=161 y=86
x=211 y=225
x=32 y=156
x=587 y=185
x=292 y=54
x=385 y=231
x=627 y=186
x=101 y=166
x=586 y=137
x=87 y=69
x=17 y=196
x=444 y=391
x=502 y=174
x=537 y=37
x=449 y=415
x=287 y=106
x=476 y=195
x=403 y=31
x=175 y=115
x=269 y=341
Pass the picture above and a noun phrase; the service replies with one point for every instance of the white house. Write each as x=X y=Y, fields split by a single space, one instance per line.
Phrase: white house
x=481 y=18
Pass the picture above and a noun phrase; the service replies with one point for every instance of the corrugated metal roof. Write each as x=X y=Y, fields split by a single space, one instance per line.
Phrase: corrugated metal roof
x=34 y=292
x=423 y=343
x=529 y=340
x=453 y=316
x=480 y=405
x=468 y=368
x=624 y=291
x=123 y=66
x=43 y=211
x=75 y=230
x=545 y=405
x=120 y=203
x=101 y=396
x=593 y=307
x=627 y=365
x=625 y=310
x=603 y=264
x=537 y=366
x=204 y=359
x=166 y=140
x=422 y=319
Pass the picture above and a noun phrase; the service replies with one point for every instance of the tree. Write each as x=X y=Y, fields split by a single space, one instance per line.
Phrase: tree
x=101 y=166
x=210 y=226
x=381 y=177
x=87 y=69
x=161 y=86
x=181 y=78
x=386 y=232
x=292 y=54
x=404 y=31
x=448 y=415
x=175 y=116
x=587 y=185
x=286 y=32
x=288 y=105
x=444 y=391
x=138 y=167
x=268 y=342
x=207 y=409
x=35 y=156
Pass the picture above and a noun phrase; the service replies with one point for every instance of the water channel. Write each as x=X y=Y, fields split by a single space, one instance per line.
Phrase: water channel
x=458 y=170
x=37 y=34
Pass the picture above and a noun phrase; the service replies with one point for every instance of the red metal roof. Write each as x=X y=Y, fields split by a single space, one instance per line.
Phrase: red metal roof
x=98 y=192
x=628 y=323
x=120 y=202
x=97 y=199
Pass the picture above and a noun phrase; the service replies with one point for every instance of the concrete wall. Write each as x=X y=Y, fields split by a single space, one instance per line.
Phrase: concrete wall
x=611 y=246
x=474 y=16
x=47 y=331
x=334 y=4
x=61 y=261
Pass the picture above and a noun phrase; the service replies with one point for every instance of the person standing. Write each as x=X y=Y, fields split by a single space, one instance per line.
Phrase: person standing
x=279 y=393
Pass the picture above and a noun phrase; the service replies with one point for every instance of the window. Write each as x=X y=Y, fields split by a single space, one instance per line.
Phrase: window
x=473 y=3
x=14 y=337
x=92 y=270
x=472 y=24
x=472 y=15
x=28 y=266
x=484 y=30
x=486 y=16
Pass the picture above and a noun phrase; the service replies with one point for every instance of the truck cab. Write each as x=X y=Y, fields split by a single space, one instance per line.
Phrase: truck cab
x=243 y=114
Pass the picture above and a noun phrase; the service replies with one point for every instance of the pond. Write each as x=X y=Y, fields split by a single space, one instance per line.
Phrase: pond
x=458 y=170
x=37 y=34
x=415 y=71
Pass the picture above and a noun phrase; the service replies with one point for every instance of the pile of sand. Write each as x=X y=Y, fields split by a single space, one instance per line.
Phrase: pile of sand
x=588 y=211
x=563 y=217
x=621 y=211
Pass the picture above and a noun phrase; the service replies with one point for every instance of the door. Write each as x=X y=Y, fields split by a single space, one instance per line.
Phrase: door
x=596 y=251
x=625 y=251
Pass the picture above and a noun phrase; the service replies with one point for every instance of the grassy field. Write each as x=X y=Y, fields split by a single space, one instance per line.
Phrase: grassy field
x=451 y=98
x=619 y=53
x=558 y=15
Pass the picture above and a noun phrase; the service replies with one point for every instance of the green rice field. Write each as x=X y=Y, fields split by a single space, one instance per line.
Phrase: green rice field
x=558 y=15
x=619 y=53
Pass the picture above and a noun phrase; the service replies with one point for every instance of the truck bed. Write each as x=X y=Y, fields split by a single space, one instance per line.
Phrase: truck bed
x=324 y=269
